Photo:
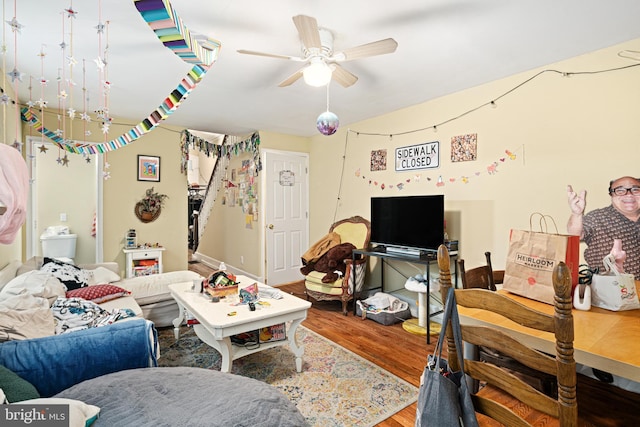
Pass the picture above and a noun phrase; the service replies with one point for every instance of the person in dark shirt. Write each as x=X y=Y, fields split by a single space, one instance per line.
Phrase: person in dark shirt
x=614 y=229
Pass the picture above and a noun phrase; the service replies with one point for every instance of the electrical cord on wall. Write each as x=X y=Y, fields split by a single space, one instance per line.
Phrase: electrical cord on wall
x=344 y=157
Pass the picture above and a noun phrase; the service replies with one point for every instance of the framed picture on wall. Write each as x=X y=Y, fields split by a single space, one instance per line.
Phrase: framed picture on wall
x=148 y=168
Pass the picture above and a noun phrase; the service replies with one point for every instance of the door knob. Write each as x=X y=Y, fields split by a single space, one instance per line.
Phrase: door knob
x=270 y=226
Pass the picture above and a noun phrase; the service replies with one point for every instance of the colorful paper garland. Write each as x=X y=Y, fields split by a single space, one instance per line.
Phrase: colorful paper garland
x=491 y=169
x=172 y=32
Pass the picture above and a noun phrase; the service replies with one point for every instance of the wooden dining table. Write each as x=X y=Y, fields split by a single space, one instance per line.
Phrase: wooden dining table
x=603 y=339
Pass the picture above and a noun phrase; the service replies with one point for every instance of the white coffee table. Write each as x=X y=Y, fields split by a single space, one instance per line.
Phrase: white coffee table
x=217 y=325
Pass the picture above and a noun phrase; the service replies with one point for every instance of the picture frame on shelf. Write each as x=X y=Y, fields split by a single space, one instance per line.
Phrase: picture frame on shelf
x=148 y=168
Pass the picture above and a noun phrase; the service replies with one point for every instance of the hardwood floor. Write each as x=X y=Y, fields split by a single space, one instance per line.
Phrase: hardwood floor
x=404 y=355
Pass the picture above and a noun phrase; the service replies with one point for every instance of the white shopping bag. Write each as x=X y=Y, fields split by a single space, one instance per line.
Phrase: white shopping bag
x=613 y=290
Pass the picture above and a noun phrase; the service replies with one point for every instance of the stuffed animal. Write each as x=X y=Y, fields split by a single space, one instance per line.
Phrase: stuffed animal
x=331 y=262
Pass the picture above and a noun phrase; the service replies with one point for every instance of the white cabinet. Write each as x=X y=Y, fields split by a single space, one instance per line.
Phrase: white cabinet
x=143 y=261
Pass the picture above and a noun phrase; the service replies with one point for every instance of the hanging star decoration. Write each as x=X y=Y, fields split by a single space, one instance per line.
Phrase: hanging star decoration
x=31 y=103
x=87 y=133
x=107 y=165
x=84 y=116
x=100 y=28
x=58 y=132
x=43 y=149
x=100 y=63
x=65 y=161
x=62 y=94
x=71 y=61
x=72 y=113
x=63 y=45
x=59 y=160
x=71 y=13
x=105 y=127
x=4 y=99
x=15 y=25
x=106 y=175
x=44 y=81
x=15 y=74
x=17 y=145
x=200 y=53
x=87 y=159
x=42 y=103
x=102 y=115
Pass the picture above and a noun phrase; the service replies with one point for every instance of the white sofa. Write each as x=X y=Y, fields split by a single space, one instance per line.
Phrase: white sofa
x=150 y=297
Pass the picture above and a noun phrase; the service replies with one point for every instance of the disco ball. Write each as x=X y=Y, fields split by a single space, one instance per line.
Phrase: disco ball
x=327 y=123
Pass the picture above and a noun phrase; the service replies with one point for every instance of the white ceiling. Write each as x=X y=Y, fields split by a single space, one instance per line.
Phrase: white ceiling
x=444 y=46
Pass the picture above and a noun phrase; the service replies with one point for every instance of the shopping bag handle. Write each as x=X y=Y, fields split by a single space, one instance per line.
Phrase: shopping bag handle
x=543 y=220
x=610 y=264
x=450 y=314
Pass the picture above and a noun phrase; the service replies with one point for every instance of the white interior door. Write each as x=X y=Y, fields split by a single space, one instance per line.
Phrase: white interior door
x=286 y=214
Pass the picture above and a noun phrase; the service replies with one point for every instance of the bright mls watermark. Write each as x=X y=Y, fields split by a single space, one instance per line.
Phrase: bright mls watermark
x=34 y=415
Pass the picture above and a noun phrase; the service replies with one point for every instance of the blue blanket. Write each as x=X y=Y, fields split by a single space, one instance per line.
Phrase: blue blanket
x=55 y=363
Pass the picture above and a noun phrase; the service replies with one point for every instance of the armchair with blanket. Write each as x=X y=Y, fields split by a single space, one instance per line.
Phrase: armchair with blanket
x=328 y=264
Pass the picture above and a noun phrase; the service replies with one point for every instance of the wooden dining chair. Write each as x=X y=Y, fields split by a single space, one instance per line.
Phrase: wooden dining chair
x=484 y=277
x=478 y=277
x=562 y=364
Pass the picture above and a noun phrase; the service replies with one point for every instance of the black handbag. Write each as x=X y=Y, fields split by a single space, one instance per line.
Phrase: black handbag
x=444 y=399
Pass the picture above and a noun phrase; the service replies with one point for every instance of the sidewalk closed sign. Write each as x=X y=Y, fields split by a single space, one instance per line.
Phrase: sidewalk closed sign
x=421 y=156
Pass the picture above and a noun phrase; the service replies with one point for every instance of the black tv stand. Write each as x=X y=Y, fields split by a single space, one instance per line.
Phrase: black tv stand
x=426 y=257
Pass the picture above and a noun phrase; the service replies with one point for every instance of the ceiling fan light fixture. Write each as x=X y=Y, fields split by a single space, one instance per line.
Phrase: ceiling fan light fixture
x=317 y=74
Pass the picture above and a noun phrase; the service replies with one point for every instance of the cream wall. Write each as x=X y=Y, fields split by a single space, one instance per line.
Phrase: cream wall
x=226 y=237
x=581 y=130
x=122 y=190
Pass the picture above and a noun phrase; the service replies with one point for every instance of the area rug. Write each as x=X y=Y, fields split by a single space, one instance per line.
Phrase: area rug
x=335 y=388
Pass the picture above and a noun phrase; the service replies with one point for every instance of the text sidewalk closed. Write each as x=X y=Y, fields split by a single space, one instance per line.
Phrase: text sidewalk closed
x=421 y=156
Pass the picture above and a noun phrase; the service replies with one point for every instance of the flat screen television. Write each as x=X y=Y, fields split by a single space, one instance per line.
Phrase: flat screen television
x=407 y=224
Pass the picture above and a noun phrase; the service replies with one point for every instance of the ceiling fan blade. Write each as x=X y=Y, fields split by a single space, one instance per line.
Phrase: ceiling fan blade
x=342 y=76
x=269 y=55
x=291 y=79
x=381 y=47
x=308 y=30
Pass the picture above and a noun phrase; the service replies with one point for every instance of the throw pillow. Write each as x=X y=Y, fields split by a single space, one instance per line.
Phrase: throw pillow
x=101 y=276
x=72 y=276
x=80 y=414
x=98 y=293
x=15 y=388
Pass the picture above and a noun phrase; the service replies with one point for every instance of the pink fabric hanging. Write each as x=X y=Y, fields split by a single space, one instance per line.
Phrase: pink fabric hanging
x=14 y=192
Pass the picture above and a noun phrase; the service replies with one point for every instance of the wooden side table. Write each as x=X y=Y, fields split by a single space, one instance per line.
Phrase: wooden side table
x=143 y=261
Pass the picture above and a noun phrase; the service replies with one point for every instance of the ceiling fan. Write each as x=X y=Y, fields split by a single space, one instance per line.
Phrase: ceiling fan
x=322 y=62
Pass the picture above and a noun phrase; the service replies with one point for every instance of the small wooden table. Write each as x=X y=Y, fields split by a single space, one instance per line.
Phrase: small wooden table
x=603 y=339
x=217 y=325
